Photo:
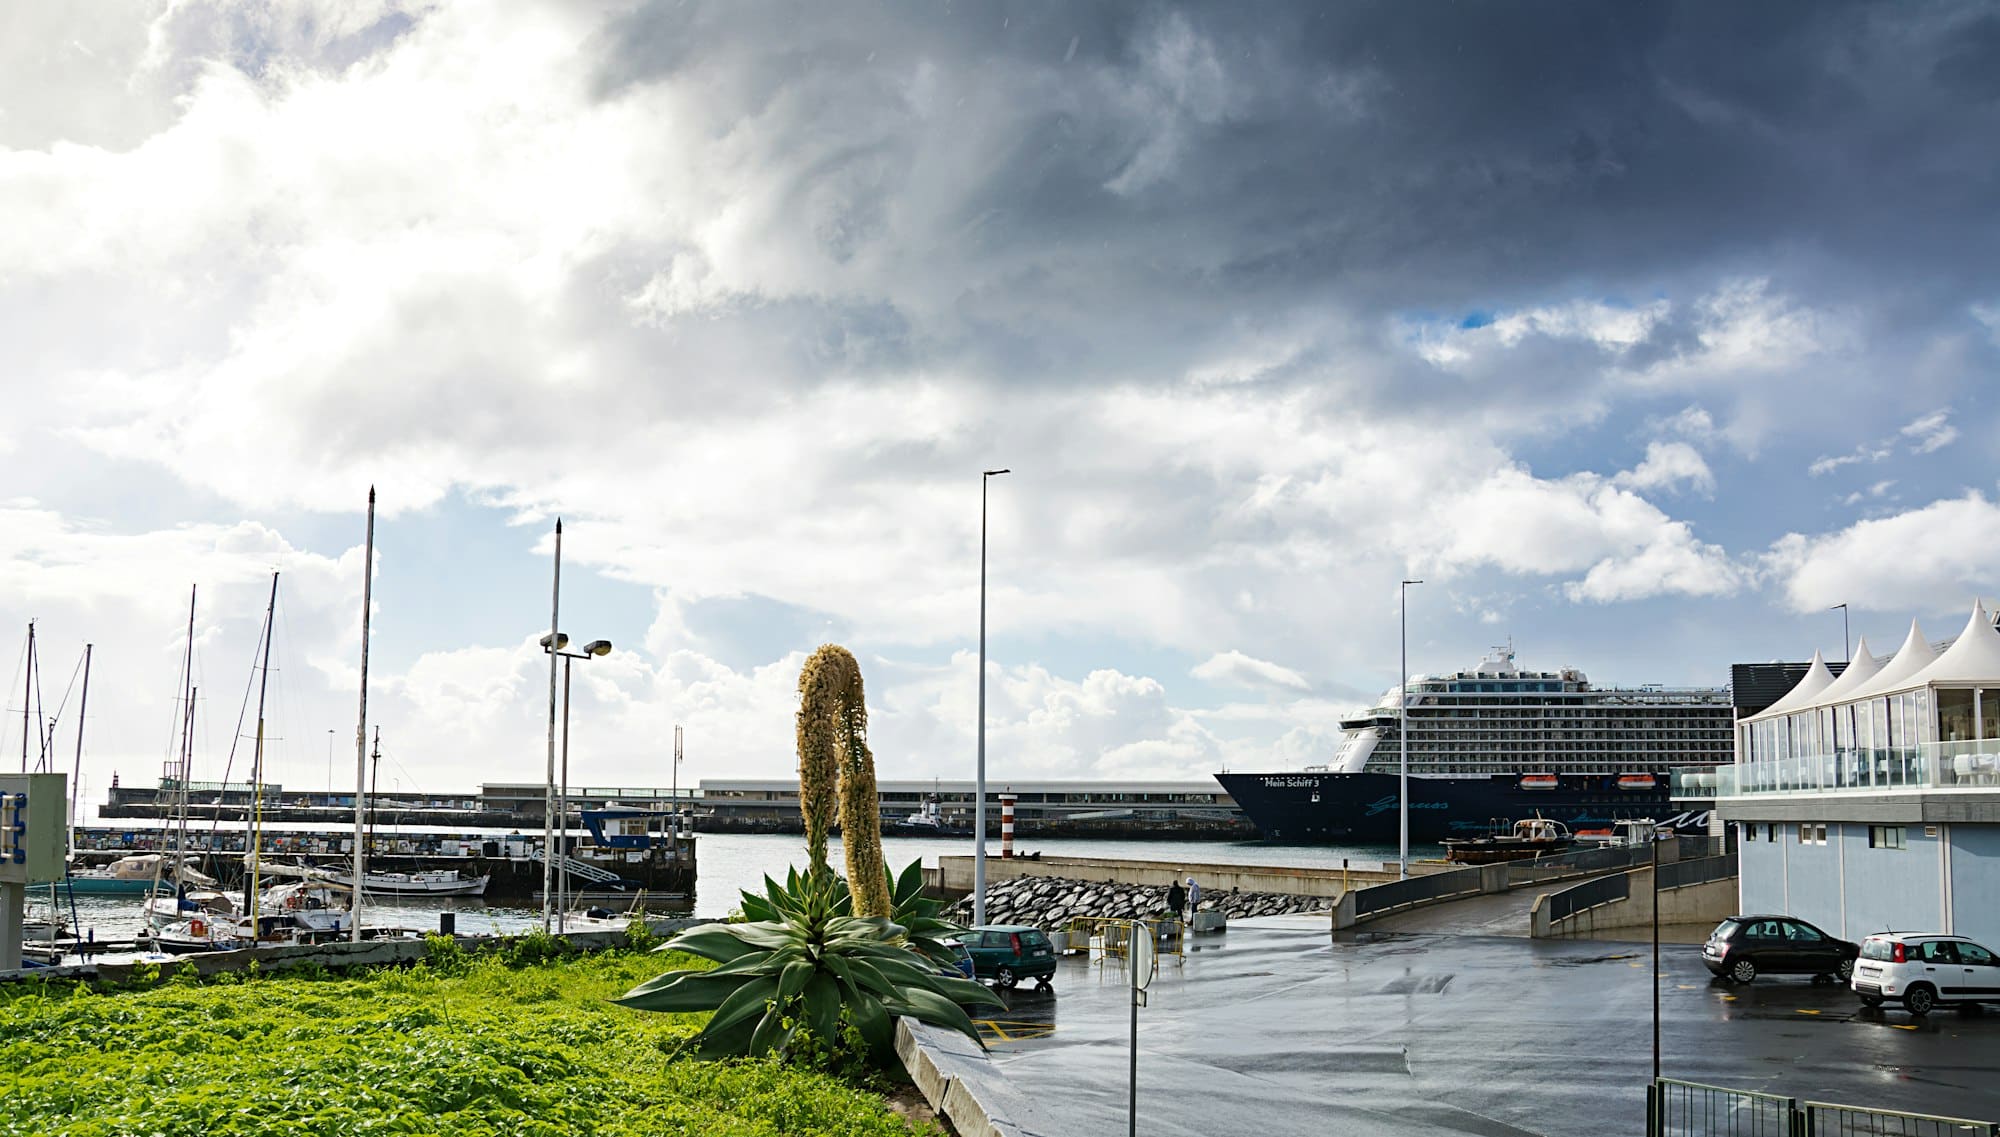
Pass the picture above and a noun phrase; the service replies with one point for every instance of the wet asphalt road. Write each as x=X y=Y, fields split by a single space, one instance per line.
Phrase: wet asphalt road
x=1273 y=1028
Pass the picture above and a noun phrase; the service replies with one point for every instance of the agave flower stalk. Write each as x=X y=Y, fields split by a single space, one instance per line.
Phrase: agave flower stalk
x=819 y=767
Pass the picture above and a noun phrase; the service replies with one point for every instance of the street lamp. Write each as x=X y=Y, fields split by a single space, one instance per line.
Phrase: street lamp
x=979 y=782
x=1403 y=739
x=1846 y=652
x=590 y=651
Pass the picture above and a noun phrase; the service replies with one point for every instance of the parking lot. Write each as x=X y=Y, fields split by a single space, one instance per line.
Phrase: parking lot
x=1274 y=1026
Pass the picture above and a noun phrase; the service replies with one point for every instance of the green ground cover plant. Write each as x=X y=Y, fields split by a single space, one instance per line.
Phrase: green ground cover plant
x=525 y=1043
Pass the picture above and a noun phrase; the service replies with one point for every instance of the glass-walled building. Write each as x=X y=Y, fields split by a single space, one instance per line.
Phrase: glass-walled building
x=1871 y=799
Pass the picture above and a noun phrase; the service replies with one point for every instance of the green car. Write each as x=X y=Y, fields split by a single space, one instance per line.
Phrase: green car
x=1009 y=953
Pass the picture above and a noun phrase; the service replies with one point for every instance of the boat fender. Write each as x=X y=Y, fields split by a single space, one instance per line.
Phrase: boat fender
x=198 y=927
x=292 y=902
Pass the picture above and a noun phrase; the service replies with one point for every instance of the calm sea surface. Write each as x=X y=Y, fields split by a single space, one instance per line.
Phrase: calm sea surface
x=732 y=862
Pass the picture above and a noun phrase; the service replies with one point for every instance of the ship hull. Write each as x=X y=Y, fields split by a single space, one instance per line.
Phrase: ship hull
x=1323 y=808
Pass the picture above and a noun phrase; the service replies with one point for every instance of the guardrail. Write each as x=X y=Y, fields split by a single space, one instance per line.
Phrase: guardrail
x=1681 y=874
x=1416 y=890
x=1690 y=1109
x=1591 y=893
x=1366 y=903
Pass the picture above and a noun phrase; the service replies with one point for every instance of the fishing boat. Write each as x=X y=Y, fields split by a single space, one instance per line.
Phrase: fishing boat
x=1532 y=837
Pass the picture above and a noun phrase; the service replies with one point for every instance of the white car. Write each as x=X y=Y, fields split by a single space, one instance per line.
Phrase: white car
x=1923 y=970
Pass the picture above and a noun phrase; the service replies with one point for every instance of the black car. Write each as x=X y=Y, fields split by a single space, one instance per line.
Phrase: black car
x=1743 y=947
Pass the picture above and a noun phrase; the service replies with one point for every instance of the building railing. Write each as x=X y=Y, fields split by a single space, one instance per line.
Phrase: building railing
x=1690 y=1109
x=1700 y=870
x=1930 y=766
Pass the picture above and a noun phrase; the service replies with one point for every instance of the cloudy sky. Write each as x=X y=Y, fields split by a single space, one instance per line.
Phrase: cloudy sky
x=1641 y=333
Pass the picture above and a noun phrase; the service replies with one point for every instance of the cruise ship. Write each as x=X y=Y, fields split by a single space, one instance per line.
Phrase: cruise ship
x=1497 y=744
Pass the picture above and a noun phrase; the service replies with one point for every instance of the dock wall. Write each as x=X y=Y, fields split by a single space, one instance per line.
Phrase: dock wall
x=955 y=874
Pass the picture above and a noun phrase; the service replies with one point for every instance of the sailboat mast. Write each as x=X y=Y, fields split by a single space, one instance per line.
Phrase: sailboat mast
x=361 y=729
x=27 y=696
x=187 y=736
x=250 y=878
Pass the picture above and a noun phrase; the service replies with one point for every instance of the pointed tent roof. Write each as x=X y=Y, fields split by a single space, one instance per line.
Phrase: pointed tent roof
x=1900 y=673
x=1863 y=667
x=1974 y=655
x=1817 y=678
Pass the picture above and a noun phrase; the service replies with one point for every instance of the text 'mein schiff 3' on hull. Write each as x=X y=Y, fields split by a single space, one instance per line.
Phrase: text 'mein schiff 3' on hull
x=1496 y=744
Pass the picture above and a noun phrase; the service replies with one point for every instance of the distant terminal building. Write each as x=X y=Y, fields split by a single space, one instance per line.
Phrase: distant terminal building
x=1074 y=806
x=1071 y=808
x=1868 y=798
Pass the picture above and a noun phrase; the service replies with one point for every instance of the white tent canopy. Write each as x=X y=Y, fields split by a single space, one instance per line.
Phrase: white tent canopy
x=1900 y=674
x=1862 y=668
x=1973 y=657
x=1817 y=678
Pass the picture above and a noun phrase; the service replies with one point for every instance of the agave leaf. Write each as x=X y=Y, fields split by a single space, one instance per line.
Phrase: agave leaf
x=792 y=979
x=937 y=1010
x=822 y=1007
x=910 y=885
x=966 y=993
x=712 y=1043
x=681 y=991
x=767 y=1032
x=718 y=942
x=873 y=1022
x=771 y=936
x=745 y=1003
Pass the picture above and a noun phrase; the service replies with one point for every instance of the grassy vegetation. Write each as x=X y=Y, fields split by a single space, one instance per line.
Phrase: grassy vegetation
x=462 y=1045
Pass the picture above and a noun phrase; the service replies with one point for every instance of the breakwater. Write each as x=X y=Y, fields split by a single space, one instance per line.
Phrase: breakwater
x=1049 y=902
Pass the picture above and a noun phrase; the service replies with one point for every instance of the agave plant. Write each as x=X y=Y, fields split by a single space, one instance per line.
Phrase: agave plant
x=802 y=965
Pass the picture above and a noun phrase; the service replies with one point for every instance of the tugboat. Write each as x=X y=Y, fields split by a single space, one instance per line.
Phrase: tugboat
x=1530 y=838
x=928 y=821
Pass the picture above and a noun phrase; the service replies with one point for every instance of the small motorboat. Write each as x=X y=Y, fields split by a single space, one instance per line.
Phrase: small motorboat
x=1532 y=837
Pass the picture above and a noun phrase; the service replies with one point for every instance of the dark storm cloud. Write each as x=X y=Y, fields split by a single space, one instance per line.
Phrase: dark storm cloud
x=1394 y=155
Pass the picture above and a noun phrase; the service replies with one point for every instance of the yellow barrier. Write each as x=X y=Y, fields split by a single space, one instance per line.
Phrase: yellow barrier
x=1104 y=936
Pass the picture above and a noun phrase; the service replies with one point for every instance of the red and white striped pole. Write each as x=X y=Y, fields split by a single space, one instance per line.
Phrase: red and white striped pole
x=1006 y=825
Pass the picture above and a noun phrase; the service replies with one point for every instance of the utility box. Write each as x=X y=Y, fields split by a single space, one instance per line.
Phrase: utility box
x=1210 y=921
x=34 y=833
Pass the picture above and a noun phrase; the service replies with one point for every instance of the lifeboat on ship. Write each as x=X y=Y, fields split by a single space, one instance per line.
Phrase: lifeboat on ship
x=1637 y=782
x=1538 y=781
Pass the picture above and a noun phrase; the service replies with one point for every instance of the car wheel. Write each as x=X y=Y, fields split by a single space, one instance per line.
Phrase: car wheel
x=1871 y=1000
x=1004 y=977
x=1846 y=971
x=1743 y=970
x=1919 y=999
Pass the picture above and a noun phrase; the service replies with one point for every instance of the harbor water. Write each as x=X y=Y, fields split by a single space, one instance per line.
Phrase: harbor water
x=732 y=862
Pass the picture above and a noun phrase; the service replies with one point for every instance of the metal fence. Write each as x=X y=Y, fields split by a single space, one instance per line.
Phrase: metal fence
x=1690 y=1109
x=1824 y=1119
x=1589 y=894
x=1680 y=874
x=1396 y=893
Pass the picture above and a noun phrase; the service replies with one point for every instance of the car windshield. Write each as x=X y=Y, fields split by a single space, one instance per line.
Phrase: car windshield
x=1877 y=949
x=1034 y=939
x=1724 y=930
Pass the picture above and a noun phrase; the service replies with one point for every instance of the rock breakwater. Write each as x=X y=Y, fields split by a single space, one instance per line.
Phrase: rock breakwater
x=1050 y=902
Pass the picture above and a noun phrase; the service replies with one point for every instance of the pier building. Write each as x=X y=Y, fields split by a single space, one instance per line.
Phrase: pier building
x=1867 y=798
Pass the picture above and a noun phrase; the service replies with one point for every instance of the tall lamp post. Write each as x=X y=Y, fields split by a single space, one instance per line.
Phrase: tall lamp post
x=590 y=650
x=1403 y=741
x=979 y=781
x=1846 y=651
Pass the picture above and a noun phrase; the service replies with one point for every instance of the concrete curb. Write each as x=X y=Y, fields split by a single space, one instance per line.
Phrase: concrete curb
x=961 y=1081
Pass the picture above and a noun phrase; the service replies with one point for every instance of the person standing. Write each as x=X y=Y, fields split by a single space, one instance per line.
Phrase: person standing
x=1176 y=898
x=1193 y=897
